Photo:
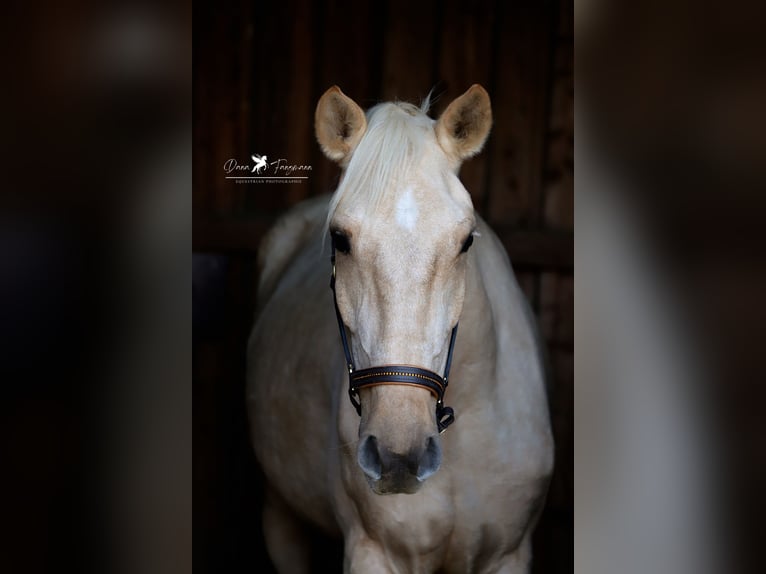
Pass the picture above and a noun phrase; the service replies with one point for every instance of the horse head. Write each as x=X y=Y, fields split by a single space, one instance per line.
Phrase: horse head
x=401 y=224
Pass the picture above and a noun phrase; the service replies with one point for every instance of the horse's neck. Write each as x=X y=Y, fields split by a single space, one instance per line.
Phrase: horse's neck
x=499 y=370
x=476 y=345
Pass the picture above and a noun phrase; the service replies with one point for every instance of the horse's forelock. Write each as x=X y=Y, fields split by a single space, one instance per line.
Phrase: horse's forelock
x=395 y=136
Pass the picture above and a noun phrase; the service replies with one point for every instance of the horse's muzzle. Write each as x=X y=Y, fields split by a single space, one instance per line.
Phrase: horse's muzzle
x=393 y=473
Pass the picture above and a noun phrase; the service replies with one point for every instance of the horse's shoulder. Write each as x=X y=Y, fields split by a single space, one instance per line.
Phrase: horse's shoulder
x=284 y=240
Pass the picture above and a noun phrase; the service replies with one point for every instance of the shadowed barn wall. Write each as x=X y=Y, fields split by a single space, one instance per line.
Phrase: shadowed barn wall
x=259 y=69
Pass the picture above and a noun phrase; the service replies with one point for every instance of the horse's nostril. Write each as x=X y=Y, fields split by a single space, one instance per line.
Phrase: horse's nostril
x=431 y=459
x=376 y=461
x=368 y=457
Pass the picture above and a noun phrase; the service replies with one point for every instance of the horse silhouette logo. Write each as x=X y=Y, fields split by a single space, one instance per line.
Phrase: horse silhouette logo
x=260 y=163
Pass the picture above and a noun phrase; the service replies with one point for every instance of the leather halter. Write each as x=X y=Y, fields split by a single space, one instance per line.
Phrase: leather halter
x=394 y=374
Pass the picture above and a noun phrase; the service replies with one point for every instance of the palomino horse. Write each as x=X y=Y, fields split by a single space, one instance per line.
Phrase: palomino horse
x=403 y=497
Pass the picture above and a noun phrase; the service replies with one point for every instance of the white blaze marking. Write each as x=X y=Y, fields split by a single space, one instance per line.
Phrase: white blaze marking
x=407 y=210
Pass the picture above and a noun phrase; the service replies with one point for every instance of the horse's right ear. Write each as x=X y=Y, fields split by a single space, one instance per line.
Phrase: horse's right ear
x=464 y=126
x=339 y=124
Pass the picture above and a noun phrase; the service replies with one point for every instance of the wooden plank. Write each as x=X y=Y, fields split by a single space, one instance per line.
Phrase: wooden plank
x=408 y=66
x=237 y=89
x=528 y=281
x=273 y=53
x=559 y=170
x=299 y=112
x=557 y=309
x=537 y=248
x=201 y=102
x=465 y=56
x=347 y=56
x=350 y=37
x=520 y=90
x=566 y=19
x=244 y=79
x=222 y=114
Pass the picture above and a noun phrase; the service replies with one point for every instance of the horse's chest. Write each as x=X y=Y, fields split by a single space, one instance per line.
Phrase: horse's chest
x=497 y=489
x=465 y=519
x=491 y=519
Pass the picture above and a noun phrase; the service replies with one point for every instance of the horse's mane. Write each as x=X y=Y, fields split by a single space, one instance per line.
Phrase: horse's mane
x=395 y=137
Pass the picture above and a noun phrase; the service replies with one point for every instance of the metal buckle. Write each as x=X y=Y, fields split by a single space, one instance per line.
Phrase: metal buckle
x=353 y=394
x=445 y=416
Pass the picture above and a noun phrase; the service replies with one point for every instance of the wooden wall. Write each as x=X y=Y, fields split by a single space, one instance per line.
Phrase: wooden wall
x=259 y=71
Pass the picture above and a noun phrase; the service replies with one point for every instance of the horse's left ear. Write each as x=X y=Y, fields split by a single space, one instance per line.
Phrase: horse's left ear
x=464 y=126
x=339 y=124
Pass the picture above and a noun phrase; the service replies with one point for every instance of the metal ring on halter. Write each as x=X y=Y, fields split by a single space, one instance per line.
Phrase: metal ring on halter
x=394 y=374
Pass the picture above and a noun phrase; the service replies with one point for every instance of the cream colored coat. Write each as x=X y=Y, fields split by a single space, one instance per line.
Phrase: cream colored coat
x=401 y=288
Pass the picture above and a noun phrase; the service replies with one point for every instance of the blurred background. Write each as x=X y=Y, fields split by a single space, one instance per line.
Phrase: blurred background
x=670 y=320
x=259 y=69
x=95 y=223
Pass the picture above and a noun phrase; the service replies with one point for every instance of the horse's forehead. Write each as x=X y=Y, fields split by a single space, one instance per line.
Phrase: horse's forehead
x=411 y=212
x=428 y=197
x=418 y=204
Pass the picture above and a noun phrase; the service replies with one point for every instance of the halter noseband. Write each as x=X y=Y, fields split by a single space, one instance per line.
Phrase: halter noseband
x=394 y=374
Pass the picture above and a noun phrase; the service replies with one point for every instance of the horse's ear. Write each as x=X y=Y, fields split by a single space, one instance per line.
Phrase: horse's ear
x=339 y=124
x=464 y=126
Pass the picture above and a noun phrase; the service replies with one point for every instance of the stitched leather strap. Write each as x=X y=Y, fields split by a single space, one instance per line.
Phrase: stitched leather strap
x=395 y=375
x=399 y=374
x=403 y=375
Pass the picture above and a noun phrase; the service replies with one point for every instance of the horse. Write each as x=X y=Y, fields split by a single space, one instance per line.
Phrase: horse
x=346 y=399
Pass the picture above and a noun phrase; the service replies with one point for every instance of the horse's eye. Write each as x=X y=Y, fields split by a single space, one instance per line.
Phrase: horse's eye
x=340 y=241
x=468 y=242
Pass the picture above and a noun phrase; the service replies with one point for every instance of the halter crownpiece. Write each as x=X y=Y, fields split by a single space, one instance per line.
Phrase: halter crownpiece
x=394 y=374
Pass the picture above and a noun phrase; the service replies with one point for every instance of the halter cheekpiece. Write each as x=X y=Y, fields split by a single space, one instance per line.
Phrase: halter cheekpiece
x=394 y=374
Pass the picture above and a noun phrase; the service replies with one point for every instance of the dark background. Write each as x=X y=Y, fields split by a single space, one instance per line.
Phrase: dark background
x=259 y=69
